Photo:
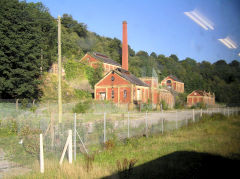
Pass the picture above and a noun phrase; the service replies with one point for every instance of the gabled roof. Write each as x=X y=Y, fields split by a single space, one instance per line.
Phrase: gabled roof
x=202 y=93
x=174 y=78
x=103 y=58
x=130 y=77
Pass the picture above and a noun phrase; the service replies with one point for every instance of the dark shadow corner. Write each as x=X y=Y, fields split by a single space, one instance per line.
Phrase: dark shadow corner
x=184 y=164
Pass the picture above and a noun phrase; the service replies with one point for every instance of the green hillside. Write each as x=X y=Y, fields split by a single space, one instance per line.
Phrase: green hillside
x=28 y=42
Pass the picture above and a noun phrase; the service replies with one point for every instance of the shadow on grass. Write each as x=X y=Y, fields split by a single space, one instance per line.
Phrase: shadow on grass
x=184 y=164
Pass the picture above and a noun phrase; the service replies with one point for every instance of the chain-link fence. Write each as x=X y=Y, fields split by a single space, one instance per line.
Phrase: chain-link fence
x=20 y=130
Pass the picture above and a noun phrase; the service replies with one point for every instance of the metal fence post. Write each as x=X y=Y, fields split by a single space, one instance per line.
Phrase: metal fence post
x=75 y=136
x=146 y=127
x=228 y=111
x=193 y=116
x=104 y=128
x=128 y=125
x=41 y=155
x=201 y=112
x=70 y=146
x=162 y=126
x=176 y=120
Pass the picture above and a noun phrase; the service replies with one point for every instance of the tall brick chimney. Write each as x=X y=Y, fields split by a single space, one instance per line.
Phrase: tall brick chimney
x=125 y=47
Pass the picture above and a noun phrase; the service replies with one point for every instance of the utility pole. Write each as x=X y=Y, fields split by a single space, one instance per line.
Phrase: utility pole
x=59 y=72
x=41 y=68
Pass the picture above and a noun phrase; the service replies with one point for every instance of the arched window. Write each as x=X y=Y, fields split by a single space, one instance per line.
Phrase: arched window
x=169 y=81
x=112 y=93
x=125 y=94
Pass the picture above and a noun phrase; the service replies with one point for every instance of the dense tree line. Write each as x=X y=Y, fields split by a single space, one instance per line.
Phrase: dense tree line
x=27 y=31
x=26 y=28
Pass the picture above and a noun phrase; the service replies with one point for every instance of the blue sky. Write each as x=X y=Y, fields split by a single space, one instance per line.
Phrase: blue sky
x=160 y=26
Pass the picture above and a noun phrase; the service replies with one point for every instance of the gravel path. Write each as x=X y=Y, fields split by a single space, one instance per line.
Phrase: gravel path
x=9 y=168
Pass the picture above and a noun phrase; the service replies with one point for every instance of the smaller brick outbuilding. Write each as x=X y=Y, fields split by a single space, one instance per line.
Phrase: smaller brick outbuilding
x=199 y=96
x=167 y=96
x=93 y=59
x=173 y=83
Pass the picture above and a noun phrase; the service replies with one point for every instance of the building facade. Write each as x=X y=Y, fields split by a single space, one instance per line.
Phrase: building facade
x=121 y=87
x=93 y=60
x=167 y=96
x=173 y=83
x=199 y=96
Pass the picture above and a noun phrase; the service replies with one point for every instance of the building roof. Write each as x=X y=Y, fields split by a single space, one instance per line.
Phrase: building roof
x=130 y=77
x=103 y=58
x=202 y=93
x=174 y=78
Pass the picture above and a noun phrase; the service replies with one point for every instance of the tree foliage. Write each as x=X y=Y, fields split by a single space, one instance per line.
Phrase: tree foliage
x=25 y=29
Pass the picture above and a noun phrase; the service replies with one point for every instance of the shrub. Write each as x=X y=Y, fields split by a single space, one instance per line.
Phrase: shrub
x=89 y=158
x=8 y=126
x=81 y=94
x=109 y=145
x=30 y=140
x=81 y=107
x=24 y=103
x=125 y=167
x=164 y=105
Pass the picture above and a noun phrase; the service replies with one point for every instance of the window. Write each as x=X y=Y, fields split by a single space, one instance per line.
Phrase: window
x=102 y=95
x=125 y=94
x=112 y=78
x=112 y=93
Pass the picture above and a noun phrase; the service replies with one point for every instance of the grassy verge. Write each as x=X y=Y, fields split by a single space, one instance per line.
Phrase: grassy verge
x=182 y=153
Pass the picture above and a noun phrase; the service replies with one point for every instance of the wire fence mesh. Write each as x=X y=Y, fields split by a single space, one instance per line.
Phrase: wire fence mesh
x=20 y=129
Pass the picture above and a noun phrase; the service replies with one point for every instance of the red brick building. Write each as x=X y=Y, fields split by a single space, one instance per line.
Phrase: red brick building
x=93 y=59
x=174 y=83
x=199 y=96
x=122 y=87
x=153 y=88
x=167 y=96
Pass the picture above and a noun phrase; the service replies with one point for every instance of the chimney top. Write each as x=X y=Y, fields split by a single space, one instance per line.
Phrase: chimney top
x=124 y=22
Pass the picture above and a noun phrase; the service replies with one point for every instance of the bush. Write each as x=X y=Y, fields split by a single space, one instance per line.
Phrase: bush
x=8 y=126
x=109 y=145
x=30 y=139
x=164 y=105
x=81 y=107
x=89 y=158
x=24 y=103
x=81 y=94
x=125 y=168
x=201 y=105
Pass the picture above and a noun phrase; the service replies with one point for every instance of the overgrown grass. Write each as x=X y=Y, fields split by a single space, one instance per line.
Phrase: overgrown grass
x=216 y=134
